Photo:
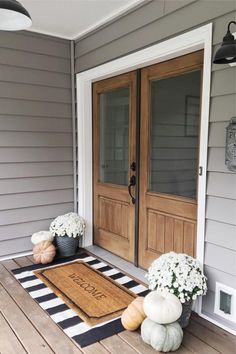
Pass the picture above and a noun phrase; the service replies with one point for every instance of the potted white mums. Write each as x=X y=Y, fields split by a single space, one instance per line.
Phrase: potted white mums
x=67 y=230
x=182 y=276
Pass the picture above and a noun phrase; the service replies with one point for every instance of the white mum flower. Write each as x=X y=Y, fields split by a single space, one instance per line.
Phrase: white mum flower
x=70 y=224
x=179 y=273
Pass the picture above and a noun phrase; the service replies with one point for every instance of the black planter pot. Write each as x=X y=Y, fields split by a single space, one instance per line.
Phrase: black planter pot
x=66 y=246
x=186 y=313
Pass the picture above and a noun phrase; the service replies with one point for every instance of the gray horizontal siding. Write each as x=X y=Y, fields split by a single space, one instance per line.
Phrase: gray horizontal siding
x=217 y=134
x=30 y=108
x=25 y=200
x=21 y=230
x=222 y=108
x=35 y=43
x=42 y=212
x=13 y=57
x=145 y=18
x=34 y=139
x=223 y=82
x=36 y=162
x=34 y=76
x=35 y=124
x=153 y=23
x=216 y=160
x=222 y=185
x=15 y=246
x=120 y=28
x=35 y=184
x=34 y=169
x=22 y=91
x=221 y=209
x=110 y=43
x=215 y=275
x=214 y=253
x=215 y=230
x=35 y=154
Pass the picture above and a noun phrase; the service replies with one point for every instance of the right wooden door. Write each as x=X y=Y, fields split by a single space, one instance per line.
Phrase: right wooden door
x=169 y=146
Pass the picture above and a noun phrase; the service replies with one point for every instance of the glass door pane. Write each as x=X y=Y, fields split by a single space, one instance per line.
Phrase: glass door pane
x=114 y=136
x=174 y=134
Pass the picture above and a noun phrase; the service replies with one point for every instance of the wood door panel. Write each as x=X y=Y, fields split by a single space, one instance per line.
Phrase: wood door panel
x=189 y=238
x=178 y=235
x=113 y=243
x=167 y=233
x=110 y=191
x=172 y=205
x=110 y=213
x=156 y=232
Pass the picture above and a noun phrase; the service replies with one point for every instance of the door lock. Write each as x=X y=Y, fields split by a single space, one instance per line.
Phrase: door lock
x=133 y=166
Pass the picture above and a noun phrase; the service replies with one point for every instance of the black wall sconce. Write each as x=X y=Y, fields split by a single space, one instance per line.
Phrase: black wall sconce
x=226 y=54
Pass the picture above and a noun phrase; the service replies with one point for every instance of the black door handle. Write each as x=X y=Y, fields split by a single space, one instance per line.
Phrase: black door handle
x=132 y=183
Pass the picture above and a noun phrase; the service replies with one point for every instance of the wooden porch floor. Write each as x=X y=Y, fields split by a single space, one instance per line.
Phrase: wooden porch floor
x=26 y=328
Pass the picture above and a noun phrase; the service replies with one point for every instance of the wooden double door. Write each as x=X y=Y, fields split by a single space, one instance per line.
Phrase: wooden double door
x=146 y=127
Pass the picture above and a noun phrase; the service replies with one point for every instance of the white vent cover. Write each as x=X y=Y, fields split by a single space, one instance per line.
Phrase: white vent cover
x=225 y=302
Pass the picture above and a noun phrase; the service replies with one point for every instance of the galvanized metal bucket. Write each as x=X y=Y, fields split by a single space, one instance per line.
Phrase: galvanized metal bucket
x=66 y=246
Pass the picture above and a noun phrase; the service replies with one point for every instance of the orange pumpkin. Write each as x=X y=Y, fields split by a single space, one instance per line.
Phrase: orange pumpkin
x=134 y=315
x=44 y=252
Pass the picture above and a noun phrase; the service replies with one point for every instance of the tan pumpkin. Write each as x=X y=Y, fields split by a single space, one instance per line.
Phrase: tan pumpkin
x=134 y=315
x=44 y=252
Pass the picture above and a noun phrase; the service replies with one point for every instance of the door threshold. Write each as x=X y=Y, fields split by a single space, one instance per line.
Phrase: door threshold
x=122 y=264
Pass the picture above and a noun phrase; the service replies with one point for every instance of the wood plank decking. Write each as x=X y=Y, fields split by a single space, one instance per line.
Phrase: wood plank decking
x=26 y=328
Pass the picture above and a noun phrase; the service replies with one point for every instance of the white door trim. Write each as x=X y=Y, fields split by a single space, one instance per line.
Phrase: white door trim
x=200 y=38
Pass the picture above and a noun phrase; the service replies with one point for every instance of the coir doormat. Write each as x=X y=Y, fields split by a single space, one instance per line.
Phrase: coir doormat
x=69 y=320
x=92 y=295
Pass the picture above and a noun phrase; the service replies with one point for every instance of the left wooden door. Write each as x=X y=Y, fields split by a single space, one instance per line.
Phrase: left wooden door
x=114 y=158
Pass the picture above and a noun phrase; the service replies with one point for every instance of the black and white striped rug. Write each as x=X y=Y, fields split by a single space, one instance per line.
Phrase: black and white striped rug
x=61 y=314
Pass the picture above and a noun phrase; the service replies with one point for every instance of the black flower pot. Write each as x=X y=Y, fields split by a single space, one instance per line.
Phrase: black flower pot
x=66 y=246
x=186 y=313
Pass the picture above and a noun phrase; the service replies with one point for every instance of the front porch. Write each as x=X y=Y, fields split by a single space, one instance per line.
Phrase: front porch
x=26 y=328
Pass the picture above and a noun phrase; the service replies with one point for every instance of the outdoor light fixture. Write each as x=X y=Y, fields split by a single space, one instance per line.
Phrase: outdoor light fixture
x=13 y=16
x=226 y=54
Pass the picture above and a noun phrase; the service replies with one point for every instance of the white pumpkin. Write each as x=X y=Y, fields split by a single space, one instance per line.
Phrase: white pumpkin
x=164 y=338
x=40 y=236
x=162 y=307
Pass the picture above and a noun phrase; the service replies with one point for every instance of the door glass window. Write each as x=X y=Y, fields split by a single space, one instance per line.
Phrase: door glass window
x=114 y=136
x=174 y=133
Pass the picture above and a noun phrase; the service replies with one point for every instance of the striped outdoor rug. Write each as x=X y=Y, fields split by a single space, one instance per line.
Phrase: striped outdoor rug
x=61 y=314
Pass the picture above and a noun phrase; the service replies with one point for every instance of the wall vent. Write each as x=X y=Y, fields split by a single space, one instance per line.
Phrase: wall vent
x=225 y=302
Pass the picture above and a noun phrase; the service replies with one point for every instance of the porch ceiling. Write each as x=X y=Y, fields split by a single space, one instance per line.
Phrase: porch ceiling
x=71 y=19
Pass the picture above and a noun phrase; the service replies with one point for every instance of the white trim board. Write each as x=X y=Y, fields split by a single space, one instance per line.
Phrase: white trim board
x=16 y=255
x=200 y=38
